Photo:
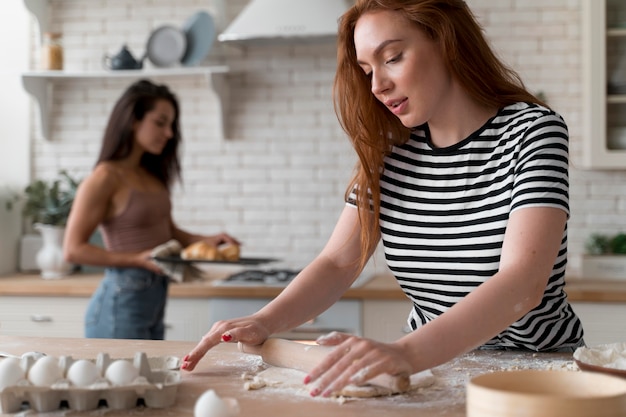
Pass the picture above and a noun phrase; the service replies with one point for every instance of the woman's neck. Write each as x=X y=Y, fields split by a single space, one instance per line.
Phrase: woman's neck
x=459 y=118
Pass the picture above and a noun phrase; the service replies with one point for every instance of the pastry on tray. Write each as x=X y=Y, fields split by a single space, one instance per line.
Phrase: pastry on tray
x=204 y=251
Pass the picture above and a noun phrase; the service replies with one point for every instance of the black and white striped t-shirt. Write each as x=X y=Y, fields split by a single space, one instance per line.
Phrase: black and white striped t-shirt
x=444 y=213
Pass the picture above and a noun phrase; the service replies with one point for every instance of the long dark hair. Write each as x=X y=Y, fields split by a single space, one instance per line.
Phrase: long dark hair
x=372 y=128
x=117 y=143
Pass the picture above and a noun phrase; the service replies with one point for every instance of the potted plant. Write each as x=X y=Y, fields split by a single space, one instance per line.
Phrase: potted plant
x=604 y=258
x=46 y=206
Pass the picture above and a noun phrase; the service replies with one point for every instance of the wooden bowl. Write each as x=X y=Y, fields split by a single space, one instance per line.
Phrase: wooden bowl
x=546 y=394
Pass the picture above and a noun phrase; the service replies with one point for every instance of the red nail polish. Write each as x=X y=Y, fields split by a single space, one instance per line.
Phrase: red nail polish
x=226 y=337
x=184 y=366
x=315 y=392
x=186 y=358
x=307 y=379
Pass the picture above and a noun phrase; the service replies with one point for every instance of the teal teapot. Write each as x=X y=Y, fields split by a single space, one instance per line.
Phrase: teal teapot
x=123 y=60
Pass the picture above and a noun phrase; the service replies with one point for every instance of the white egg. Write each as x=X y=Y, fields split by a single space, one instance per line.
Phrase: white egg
x=209 y=404
x=10 y=372
x=121 y=372
x=83 y=373
x=45 y=371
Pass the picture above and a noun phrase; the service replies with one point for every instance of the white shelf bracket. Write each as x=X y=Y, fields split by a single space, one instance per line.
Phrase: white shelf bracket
x=219 y=84
x=42 y=91
x=39 y=9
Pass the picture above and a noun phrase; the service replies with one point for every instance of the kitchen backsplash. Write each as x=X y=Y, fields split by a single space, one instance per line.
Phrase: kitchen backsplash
x=277 y=183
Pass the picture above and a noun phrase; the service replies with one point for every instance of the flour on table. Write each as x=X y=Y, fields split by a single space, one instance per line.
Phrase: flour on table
x=291 y=379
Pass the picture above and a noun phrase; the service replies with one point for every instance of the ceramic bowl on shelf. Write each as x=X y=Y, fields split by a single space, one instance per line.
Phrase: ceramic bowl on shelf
x=546 y=393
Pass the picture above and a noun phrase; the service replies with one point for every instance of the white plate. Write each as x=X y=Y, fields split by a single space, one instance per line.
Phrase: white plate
x=166 y=46
x=200 y=32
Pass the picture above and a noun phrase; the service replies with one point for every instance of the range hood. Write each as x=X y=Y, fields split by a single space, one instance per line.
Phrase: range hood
x=286 y=21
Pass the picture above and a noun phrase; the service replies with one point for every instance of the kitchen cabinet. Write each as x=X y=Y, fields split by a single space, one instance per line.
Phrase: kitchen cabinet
x=186 y=319
x=343 y=316
x=602 y=322
x=42 y=316
x=40 y=84
x=604 y=84
x=385 y=320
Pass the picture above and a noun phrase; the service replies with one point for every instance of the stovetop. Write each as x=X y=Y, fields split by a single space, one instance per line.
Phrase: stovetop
x=268 y=277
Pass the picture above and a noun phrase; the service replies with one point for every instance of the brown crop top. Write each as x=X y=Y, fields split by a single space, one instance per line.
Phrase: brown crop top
x=144 y=223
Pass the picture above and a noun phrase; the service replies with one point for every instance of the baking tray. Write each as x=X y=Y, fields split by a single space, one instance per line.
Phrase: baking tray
x=242 y=261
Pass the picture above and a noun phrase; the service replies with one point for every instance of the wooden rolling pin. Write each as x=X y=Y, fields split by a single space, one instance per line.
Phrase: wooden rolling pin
x=304 y=357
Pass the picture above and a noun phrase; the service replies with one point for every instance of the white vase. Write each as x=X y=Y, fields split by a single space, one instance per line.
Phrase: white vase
x=50 y=257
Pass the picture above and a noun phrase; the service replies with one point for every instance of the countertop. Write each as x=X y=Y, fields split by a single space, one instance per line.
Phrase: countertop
x=380 y=287
x=221 y=370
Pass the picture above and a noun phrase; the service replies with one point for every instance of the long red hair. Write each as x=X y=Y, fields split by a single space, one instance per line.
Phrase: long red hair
x=373 y=129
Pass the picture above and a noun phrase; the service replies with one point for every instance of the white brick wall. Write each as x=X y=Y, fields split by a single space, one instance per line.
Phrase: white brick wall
x=279 y=183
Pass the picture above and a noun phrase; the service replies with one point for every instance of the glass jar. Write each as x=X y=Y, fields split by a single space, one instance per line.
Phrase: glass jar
x=52 y=51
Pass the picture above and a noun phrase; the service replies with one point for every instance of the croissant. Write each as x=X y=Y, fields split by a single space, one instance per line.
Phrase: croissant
x=201 y=250
x=229 y=252
x=205 y=251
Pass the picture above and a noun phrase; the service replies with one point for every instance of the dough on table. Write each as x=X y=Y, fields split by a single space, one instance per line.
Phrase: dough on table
x=289 y=378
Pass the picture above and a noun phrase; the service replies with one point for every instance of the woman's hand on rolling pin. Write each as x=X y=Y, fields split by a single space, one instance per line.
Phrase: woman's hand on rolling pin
x=247 y=330
x=354 y=361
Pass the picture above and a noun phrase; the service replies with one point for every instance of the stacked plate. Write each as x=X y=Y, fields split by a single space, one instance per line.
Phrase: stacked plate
x=169 y=46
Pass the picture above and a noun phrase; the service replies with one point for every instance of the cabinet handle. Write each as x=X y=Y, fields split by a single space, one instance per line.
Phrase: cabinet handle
x=40 y=318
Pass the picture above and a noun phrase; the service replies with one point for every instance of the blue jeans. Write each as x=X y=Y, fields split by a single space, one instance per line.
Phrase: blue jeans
x=128 y=304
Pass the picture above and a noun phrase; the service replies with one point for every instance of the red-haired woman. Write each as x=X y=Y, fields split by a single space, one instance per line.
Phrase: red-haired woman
x=463 y=175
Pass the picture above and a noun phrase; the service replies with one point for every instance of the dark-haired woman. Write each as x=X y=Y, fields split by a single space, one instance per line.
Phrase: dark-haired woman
x=127 y=195
x=463 y=175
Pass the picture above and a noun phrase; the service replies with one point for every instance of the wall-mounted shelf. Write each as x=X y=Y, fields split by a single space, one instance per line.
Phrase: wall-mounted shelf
x=40 y=84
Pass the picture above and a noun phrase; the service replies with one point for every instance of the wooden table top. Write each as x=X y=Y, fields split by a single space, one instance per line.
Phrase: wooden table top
x=222 y=367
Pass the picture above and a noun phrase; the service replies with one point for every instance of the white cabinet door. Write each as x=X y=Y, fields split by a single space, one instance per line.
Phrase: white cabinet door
x=602 y=322
x=604 y=84
x=343 y=316
x=385 y=320
x=186 y=318
x=42 y=316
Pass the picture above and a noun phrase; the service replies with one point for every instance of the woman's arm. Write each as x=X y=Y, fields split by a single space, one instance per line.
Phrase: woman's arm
x=531 y=245
x=316 y=288
x=90 y=208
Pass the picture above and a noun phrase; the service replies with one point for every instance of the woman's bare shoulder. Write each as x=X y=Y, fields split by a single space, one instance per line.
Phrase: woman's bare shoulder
x=105 y=176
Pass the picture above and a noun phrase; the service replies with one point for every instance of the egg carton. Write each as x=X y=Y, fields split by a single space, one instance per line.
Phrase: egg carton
x=155 y=386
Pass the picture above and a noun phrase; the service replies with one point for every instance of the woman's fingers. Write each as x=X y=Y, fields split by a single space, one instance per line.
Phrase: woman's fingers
x=239 y=330
x=355 y=361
